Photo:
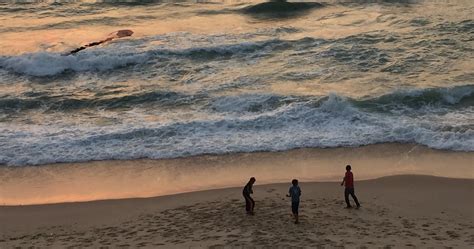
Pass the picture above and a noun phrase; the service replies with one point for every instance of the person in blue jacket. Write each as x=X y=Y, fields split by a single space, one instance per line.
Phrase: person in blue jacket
x=295 y=193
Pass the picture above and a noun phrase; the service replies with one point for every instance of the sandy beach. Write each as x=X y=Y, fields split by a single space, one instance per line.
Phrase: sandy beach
x=119 y=179
x=136 y=124
x=397 y=212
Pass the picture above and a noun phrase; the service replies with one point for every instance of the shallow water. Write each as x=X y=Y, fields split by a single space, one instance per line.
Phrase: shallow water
x=221 y=77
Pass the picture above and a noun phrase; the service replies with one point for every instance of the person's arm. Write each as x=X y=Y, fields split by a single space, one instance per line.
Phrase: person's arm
x=289 y=193
x=343 y=180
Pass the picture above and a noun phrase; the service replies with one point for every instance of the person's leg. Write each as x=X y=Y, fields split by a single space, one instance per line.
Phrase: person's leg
x=346 y=197
x=252 y=205
x=297 y=205
x=294 y=210
x=352 y=192
x=247 y=203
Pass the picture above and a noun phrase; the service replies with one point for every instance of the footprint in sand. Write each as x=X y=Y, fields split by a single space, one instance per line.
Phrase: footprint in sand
x=271 y=190
x=453 y=234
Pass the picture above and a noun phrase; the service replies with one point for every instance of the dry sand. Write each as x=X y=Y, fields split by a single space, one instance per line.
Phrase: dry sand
x=397 y=212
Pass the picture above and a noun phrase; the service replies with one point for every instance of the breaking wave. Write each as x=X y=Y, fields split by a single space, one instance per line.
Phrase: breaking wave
x=248 y=123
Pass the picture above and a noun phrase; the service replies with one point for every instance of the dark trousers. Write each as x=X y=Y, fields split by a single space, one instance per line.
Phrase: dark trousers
x=249 y=203
x=350 y=191
x=294 y=207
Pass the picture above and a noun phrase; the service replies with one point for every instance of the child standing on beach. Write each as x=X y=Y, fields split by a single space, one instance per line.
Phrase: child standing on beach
x=295 y=193
x=349 y=190
x=249 y=202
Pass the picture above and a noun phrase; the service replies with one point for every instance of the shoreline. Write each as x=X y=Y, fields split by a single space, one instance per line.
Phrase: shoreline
x=264 y=185
x=397 y=211
x=120 y=179
x=413 y=145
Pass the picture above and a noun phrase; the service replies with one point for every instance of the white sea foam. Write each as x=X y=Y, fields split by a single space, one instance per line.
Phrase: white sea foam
x=121 y=54
x=48 y=64
x=334 y=122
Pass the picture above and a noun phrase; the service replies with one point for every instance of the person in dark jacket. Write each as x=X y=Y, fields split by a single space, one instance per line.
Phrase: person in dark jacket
x=246 y=192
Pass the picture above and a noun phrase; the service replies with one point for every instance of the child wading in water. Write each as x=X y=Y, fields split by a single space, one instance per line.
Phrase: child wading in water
x=295 y=193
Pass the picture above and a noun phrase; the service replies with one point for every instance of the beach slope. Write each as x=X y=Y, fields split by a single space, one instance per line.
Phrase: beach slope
x=397 y=211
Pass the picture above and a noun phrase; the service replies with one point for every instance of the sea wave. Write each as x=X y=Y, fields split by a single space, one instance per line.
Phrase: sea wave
x=67 y=103
x=431 y=99
x=457 y=96
x=263 y=123
x=119 y=55
x=372 y=51
x=48 y=64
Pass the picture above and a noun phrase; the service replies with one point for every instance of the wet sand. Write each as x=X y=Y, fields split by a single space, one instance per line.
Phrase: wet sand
x=199 y=206
x=101 y=180
x=408 y=211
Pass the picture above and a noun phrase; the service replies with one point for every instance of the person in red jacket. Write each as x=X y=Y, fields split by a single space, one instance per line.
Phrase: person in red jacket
x=349 y=187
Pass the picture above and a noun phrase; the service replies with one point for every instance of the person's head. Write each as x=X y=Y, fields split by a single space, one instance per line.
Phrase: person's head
x=252 y=180
x=294 y=182
x=348 y=167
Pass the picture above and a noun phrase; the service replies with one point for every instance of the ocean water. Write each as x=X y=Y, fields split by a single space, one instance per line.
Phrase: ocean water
x=214 y=77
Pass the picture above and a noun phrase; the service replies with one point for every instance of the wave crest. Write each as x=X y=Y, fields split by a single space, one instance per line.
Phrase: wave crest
x=120 y=55
x=260 y=123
